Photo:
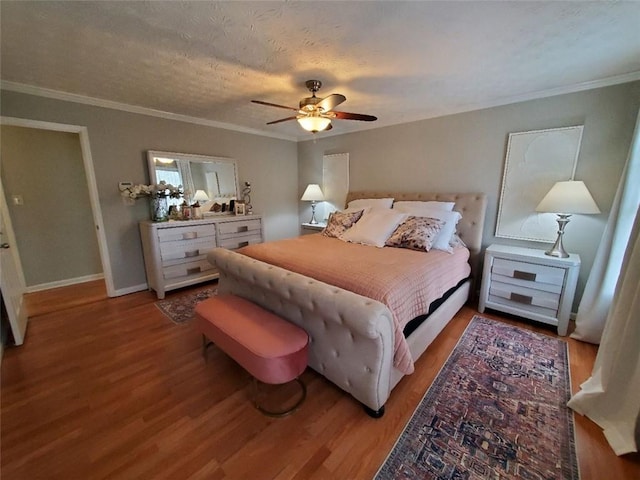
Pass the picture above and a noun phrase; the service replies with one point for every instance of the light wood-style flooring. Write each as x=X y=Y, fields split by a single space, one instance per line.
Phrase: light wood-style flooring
x=112 y=389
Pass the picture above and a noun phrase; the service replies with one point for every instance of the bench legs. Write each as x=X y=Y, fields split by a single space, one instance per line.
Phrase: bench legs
x=206 y=343
x=278 y=413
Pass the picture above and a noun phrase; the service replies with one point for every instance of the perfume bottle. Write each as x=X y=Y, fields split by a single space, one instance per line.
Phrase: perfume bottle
x=185 y=210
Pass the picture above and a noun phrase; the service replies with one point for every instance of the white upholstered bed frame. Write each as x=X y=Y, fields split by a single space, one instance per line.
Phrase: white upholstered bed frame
x=351 y=336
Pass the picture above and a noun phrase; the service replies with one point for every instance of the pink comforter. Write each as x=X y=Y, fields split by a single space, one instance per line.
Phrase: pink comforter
x=406 y=281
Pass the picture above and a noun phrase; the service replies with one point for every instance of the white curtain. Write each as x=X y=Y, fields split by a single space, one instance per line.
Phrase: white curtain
x=611 y=397
x=598 y=292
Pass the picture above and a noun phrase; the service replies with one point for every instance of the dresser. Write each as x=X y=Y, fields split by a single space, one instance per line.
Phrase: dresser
x=530 y=284
x=175 y=253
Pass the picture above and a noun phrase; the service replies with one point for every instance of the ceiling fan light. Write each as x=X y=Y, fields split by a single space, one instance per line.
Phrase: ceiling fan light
x=314 y=124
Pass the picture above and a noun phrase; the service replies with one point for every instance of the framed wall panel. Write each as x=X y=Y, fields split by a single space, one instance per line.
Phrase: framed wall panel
x=534 y=162
x=335 y=182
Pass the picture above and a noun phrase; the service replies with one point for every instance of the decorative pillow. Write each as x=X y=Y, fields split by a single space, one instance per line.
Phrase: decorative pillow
x=339 y=222
x=371 y=203
x=422 y=209
x=416 y=233
x=374 y=227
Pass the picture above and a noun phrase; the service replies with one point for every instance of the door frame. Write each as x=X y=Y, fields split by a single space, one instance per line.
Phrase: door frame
x=16 y=311
x=94 y=199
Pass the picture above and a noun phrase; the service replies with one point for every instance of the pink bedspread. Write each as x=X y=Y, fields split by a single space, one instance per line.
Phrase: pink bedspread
x=404 y=280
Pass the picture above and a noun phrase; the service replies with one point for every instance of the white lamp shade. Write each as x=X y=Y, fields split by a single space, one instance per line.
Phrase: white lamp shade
x=200 y=196
x=568 y=197
x=314 y=124
x=313 y=193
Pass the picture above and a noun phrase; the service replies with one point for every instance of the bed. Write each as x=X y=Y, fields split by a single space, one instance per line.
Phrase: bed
x=356 y=340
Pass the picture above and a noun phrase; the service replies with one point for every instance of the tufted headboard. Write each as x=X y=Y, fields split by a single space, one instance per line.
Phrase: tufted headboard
x=472 y=206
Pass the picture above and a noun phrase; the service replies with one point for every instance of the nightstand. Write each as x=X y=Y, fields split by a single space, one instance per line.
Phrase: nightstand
x=307 y=228
x=530 y=284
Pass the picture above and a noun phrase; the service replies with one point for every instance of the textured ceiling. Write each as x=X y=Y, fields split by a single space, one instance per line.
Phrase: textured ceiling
x=399 y=61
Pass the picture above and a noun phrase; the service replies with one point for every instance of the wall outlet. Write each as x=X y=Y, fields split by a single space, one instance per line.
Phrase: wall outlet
x=17 y=199
x=123 y=185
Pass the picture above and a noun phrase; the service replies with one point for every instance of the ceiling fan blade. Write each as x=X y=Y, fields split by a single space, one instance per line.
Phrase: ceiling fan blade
x=259 y=102
x=282 y=120
x=331 y=102
x=355 y=116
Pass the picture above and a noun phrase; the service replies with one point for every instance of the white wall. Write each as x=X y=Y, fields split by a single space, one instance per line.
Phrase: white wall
x=466 y=153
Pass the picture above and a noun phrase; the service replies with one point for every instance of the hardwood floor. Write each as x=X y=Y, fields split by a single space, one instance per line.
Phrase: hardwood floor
x=112 y=389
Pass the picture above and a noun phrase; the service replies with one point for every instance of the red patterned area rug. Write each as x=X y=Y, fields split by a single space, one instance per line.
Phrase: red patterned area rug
x=496 y=410
x=180 y=306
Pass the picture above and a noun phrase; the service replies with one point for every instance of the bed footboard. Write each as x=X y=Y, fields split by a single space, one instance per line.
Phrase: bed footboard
x=351 y=336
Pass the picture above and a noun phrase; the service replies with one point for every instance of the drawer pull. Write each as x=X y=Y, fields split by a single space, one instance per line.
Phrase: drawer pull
x=189 y=235
x=524 y=276
x=244 y=228
x=243 y=244
x=193 y=253
x=516 y=297
x=191 y=271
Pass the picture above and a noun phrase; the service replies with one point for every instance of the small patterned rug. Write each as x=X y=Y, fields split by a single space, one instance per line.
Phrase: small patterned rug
x=496 y=410
x=180 y=307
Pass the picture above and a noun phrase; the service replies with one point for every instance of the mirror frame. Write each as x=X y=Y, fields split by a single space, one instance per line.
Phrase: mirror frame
x=152 y=154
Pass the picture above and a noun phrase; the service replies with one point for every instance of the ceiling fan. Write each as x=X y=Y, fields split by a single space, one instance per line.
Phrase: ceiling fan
x=315 y=114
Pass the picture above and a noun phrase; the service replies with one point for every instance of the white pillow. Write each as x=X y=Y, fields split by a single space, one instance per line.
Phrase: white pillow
x=416 y=208
x=451 y=219
x=371 y=202
x=374 y=227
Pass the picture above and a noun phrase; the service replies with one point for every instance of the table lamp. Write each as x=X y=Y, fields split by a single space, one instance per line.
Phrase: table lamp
x=567 y=197
x=313 y=194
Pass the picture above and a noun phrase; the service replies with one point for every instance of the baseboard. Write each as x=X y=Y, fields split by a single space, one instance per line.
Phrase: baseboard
x=64 y=283
x=128 y=290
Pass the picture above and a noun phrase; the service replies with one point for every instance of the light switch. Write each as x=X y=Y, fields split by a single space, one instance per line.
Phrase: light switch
x=17 y=200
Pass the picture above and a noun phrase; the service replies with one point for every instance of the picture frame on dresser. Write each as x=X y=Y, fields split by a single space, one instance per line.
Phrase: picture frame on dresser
x=240 y=208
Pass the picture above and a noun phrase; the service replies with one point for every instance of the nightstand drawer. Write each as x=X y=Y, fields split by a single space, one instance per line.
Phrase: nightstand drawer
x=530 y=272
x=523 y=296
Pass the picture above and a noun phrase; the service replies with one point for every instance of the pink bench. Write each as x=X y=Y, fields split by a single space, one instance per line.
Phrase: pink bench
x=272 y=350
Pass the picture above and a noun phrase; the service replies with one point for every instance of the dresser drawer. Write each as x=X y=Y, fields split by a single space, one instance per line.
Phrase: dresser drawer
x=190 y=232
x=230 y=229
x=239 y=241
x=522 y=296
x=185 y=250
x=185 y=269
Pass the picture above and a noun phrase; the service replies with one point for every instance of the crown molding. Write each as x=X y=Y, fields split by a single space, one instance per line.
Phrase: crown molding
x=72 y=97
x=552 y=92
x=98 y=102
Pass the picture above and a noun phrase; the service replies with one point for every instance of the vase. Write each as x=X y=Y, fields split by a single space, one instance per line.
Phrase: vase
x=159 y=209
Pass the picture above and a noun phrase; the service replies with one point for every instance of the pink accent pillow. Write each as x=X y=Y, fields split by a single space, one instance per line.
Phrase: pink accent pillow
x=416 y=233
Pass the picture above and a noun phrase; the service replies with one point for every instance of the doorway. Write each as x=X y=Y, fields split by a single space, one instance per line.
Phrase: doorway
x=57 y=223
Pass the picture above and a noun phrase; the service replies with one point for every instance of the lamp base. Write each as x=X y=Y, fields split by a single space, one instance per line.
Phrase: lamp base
x=557 y=250
x=313 y=220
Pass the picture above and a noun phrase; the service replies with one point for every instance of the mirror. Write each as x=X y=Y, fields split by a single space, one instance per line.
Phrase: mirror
x=207 y=179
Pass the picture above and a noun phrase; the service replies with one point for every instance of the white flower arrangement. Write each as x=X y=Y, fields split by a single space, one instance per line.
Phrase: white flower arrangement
x=162 y=189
